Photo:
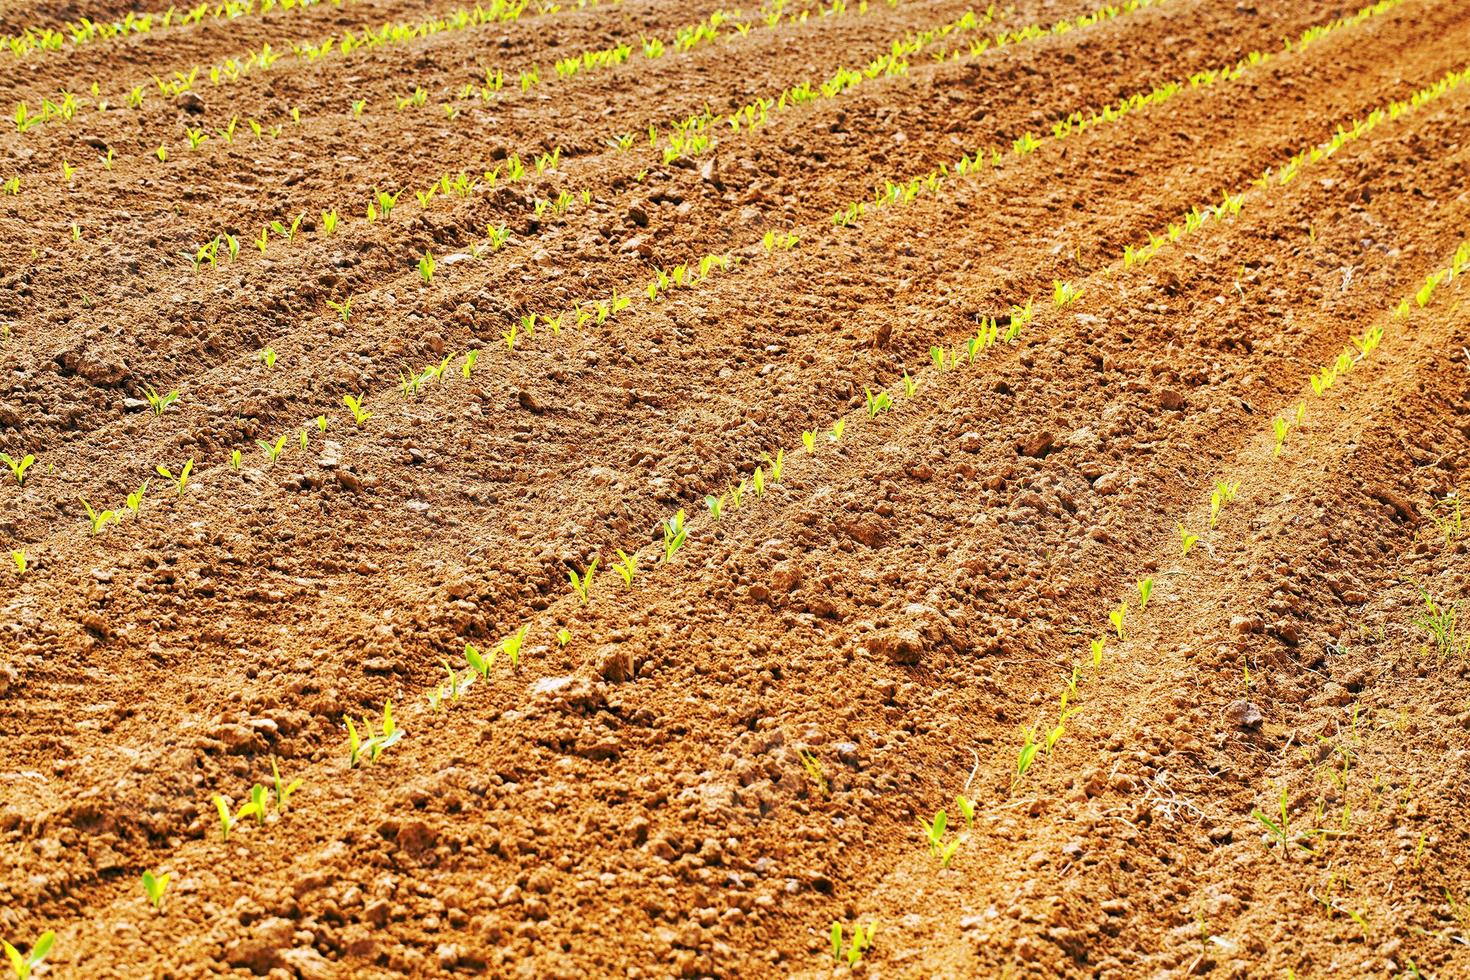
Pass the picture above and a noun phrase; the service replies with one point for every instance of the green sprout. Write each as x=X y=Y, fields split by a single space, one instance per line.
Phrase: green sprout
x=582 y=584
x=813 y=767
x=344 y=308
x=1097 y=650
x=98 y=519
x=427 y=265
x=626 y=567
x=862 y=939
x=1186 y=540
x=809 y=441
x=18 y=467
x=675 y=534
x=182 y=480
x=512 y=645
x=967 y=809
x=1117 y=616
x=1145 y=589
x=563 y=637
x=267 y=357
x=19 y=557
x=228 y=823
x=283 y=789
x=154 y=886
x=360 y=415
x=373 y=746
x=880 y=402
x=24 y=964
x=273 y=450
x=135 y=499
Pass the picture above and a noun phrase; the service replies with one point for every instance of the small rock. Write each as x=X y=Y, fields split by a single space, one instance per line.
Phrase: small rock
x=615 y=662
x=1244 y=714
x=1171 y=400
x=1037 y=444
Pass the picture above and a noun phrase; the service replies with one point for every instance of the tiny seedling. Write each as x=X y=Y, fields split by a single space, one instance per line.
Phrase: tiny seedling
x=809 y=441
x=512 y=645
x=135 y=499
x=862 y=939
x=1025 y=756
x=881 y=402
x=716 y=505
x=228 y=823
x=283 y=789
x=98 y=519
x=24 y=964
x=1145 y=589
x=19 y=557
x=967 y=809
x=675 y=534
x=273 y=450
x=626 y=567
x=1117 y=616
x=582 y=584
x=813 y=767
x=235 y=460
x=470 y=358
x=344 y=308
x=360 y=415
x=154 y=886
x=1097 y=650
x=478 y=662
x=563 y=637
x=267 y=357
x=1186 y=540
x=934 y=830
x=427 y=265
x=18 y=467
x=372 y=747
x=182 y=480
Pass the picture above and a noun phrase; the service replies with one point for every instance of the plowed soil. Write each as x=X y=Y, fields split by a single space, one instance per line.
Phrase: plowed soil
x=1151 y=588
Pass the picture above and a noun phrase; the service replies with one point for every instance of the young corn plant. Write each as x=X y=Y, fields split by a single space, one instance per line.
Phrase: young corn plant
x=675 y=534
x=267 y=357
x=227 y=823
x=360 y=415
x=427 y=265
x=181 y=481
x=98 y=519
x=1025 y=757
x=1145 y=589
x=158 y=403
x=154 y=887
x=881 y=402
x=19 y=557
x=582 y=584
x=283 y=788
x=273 y=450
x=372 y=747
x=135 y=499
x=1186 y=540
x=24 y=964
x=862 y=940
x=18 y=467
x=512 y=644
x=1116 y=617
x=343 y=309
x=626 y=566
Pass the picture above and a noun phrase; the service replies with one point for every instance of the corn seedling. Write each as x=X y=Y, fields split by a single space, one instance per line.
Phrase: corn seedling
x=157 y=403
x=934 y=831
x=18 y=467
x=674 y=535
x=227 y=822
x=880 y=402
x=862 y=939
x=837 y=427
x=809 y=441
x=582 y=584
x=135 y=499
x=716 y=505
x=813 y=767
x=1097 y=650
x=1279 y=831
x=1279 y=428
x=360 y=415
x=1064 y=293
x=1186 y=540
x=235 y=460
x=344 y=308
x=283 y=789
x=626 y=566
x=1145 y=589
x=273 y=450
x=1025 y=757
x=372 y=747
x=267 y=357
x=468 y=366
x=563 y=637
x=1116 y=617
x=98 y=519
x=181 y=481
x=23 y=964
x=154 y=886
x=19 y=557
x=479 y=663
x=427 y=265
x=967 y=809
x=511 y=645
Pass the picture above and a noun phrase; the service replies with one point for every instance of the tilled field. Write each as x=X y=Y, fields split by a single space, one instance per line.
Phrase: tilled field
x=691 y=448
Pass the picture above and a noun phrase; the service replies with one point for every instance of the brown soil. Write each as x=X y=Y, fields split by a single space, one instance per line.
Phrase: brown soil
x=735 y=753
